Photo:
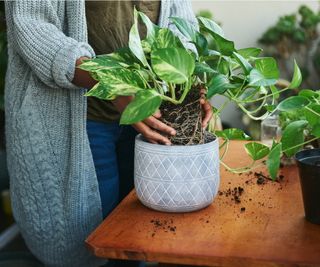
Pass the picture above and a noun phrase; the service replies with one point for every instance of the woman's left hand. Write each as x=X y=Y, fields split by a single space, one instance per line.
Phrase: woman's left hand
x=207 y=109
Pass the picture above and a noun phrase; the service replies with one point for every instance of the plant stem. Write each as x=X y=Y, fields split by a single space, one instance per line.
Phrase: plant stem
x=185 y=91
x=263 y=97
x=242 y=169
x=169 y=99
x=225 y=143
x=172 y=91
x=222 y=106
x=251 y=116
x=302 y=144
x=156 y=83
x=314 y=112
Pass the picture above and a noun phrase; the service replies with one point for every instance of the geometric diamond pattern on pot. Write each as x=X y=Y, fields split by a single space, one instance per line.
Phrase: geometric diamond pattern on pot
x=176 y=178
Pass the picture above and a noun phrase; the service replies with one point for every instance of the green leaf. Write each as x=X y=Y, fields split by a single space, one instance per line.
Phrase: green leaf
x=218 y=85
x=186 y=28
x=135 y=42
x=123 y=56
x=273 y=161
x=247 y=53
x=201 y=67
x=246 y=66
x=256 y=150
x=201 y=44
x=99 y=63
x=114 y=83
x=224 y=66
x=165 y=38
x=316 y=130
x=293 y=103
x=174 y=65
x=256 y=78
x=145 y=103
x=191 y=34
x=297 y=77
x=268 y=67
x=266 y=72
x=100 y=90
x=226 y=47
x=292 y=137
x=232 y=134
x=310 y=94
x=310 y=114
x=151 y=27
x=210 y=25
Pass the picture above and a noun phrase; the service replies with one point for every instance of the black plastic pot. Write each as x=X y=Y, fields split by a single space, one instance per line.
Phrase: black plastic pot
x=308 y=162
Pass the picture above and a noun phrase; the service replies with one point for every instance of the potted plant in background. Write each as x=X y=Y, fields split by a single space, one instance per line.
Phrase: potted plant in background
x=161 y=73
x=296 y=36
x=308 y=162
x=300 y=119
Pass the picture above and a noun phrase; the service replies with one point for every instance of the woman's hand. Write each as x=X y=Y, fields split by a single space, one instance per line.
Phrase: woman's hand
x=149 y=127
x=81 y=77
x=207 y=109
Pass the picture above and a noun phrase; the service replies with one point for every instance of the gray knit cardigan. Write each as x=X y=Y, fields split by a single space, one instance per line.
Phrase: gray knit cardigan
x=54 y=189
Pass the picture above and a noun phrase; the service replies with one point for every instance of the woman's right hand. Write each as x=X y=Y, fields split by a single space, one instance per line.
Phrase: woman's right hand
x=149 y=127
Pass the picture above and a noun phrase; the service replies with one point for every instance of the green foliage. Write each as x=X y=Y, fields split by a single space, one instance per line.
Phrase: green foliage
x=266 y=72
x=293 y=103
x=256 y=150
x=297 y=77
x=173 y=65
x=145 y=104
x=233 y=134
x=293 y=137
x=296 y=36
x=273 y=161
x=160 y=68
x=296 y=27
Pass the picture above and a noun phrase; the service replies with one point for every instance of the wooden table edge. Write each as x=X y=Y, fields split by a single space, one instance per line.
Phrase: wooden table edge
x=128 y=254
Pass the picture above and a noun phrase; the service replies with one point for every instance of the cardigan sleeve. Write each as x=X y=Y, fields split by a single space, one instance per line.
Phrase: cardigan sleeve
x=183 y=9
x=38 y=39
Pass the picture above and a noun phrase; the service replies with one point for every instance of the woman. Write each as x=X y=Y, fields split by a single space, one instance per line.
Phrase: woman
x=54 y=186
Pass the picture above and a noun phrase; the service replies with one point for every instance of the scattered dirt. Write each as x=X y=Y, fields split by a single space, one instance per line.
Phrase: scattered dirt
x=234 y=194
x=238 y=195
x=163 y=225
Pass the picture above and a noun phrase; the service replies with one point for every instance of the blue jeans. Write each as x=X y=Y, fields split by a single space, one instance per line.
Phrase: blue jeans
x=112 y=148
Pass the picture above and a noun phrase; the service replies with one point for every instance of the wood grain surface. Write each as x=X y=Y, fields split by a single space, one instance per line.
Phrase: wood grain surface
x=264 y=226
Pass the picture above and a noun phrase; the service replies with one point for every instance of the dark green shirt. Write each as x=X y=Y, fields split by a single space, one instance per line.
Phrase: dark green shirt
x=109 y=23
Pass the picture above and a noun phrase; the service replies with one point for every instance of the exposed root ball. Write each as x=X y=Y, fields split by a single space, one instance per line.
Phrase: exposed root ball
x=185 y=118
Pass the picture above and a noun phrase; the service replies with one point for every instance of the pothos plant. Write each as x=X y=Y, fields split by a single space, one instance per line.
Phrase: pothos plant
x=161 y=71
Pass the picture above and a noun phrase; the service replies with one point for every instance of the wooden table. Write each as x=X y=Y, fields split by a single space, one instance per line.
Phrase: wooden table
x=266 y=228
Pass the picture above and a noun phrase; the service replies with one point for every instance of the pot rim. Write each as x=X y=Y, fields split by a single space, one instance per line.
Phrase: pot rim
x=302 y=154
x=142 y=141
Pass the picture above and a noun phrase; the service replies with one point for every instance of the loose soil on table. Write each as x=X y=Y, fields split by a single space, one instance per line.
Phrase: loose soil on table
x=185 y=118
x=164 y=225
x=237 y=194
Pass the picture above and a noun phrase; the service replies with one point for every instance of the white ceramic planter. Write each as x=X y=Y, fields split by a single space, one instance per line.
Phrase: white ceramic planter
x=176 y=178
